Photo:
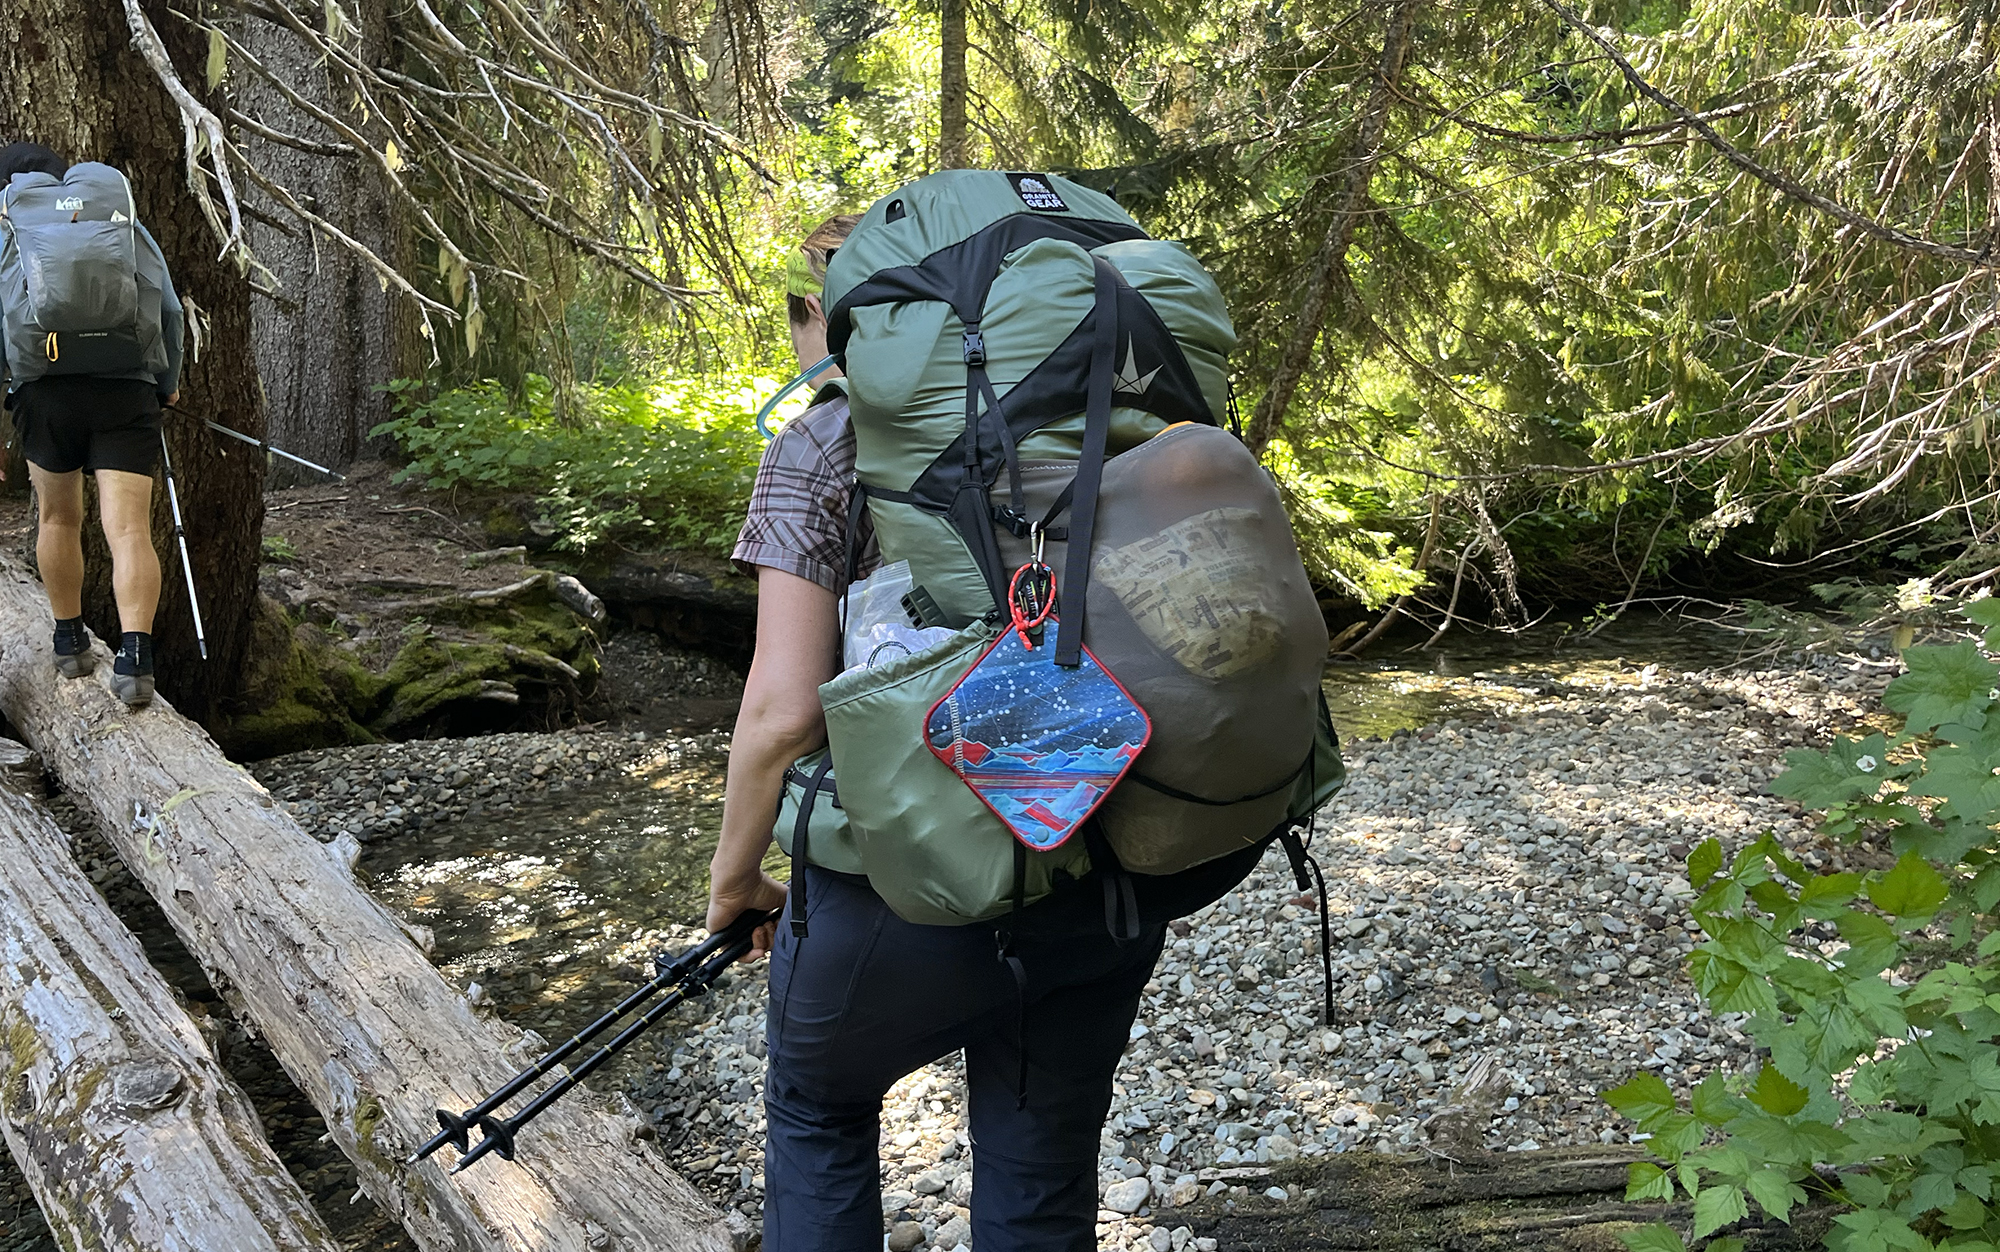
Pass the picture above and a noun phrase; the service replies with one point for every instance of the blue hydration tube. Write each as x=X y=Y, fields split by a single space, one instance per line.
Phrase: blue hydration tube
x=765 y=412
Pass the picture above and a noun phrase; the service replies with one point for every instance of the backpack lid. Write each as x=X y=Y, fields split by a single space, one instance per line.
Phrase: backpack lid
x=942 y=238
x=90 y=192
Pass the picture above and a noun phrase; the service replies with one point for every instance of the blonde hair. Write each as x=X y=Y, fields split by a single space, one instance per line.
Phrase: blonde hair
x=818 y=250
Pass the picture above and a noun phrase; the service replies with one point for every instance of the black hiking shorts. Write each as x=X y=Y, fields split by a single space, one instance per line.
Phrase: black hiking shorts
x=71 y=422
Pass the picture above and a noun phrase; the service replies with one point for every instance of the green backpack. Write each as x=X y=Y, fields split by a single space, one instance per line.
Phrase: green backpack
x=1029 y=374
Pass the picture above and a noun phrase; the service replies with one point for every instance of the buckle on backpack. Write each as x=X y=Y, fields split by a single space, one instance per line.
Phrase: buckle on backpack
x=975 y=346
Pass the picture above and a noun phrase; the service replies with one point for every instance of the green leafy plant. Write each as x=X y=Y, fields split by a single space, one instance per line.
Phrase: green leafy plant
x=278 y=550
x=668 y=466
x=1876 y=996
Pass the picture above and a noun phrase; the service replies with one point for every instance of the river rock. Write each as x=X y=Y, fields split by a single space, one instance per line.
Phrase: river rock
x=953 y=1232
x=1127 y=1196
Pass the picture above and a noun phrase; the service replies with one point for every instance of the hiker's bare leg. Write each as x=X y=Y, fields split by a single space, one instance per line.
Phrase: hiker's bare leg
x=125 y=501
x=59 y=538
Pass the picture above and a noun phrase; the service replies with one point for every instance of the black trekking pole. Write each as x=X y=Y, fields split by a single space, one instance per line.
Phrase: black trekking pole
x=272 y=449
x=688 y=975
x=180 y=537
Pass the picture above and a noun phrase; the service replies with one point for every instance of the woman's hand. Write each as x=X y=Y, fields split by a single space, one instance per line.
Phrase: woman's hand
x=730 y=895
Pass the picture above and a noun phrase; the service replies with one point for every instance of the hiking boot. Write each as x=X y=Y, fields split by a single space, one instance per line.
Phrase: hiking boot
x=73 y=659
x=132 y=672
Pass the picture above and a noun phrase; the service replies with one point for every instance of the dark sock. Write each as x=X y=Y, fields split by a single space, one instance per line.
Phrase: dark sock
x=71 y=638
x=135 y=653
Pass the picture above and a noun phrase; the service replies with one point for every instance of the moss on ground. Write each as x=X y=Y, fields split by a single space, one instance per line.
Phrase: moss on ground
x=454 y=663
x=299 y=692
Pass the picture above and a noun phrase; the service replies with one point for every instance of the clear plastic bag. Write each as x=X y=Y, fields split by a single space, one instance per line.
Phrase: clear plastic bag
x=878 y=627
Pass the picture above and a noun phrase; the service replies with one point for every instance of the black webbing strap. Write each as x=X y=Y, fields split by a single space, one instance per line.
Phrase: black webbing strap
x=1176 y=793
x=1017 y=499
x=1302 y=861
x=971 y=512
x=1061 y=502
x=1074 y=592
x=857 y=513
x=801 y=838
x=852 y=543
x=1121 y=898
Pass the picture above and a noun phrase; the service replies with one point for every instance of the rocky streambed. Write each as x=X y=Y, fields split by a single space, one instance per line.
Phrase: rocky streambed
x=1506 y=904
x=1503 y=894
x=1505 y=888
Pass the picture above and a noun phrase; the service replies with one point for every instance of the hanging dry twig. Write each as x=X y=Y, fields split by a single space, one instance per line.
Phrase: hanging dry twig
x=202 y=130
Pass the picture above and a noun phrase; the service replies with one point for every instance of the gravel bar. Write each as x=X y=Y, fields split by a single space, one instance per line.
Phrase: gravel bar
x=1501 y=893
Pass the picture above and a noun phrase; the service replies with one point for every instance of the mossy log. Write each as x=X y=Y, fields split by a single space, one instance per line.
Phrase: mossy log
x=459 y=662
x=339 y=989
x=1552 y=1200
x=129 y=1133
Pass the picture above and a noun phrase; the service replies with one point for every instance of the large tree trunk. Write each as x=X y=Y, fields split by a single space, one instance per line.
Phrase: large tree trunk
x=343 y=994
x=129 y=1133
x=331 y=337
x=1327 y=284
x=952 y=144
x=1553 y=1200
x=73 y=83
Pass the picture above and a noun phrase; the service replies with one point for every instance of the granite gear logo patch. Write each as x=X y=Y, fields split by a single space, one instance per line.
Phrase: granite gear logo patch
x=1036 y=193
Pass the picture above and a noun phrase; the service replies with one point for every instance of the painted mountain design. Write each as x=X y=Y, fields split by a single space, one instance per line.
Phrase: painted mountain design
x=1041 y=745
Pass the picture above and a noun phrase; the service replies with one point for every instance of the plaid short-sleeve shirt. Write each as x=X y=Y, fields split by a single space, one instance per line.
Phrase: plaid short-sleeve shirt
x=798 y=507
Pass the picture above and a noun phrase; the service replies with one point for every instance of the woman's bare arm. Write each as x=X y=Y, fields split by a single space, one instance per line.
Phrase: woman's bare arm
x=798 y=641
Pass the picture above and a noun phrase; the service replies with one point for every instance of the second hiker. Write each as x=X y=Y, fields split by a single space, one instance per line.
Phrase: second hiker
x=93 y=349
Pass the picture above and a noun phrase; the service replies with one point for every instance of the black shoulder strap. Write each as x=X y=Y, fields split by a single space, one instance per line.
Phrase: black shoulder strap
x=1074 y=592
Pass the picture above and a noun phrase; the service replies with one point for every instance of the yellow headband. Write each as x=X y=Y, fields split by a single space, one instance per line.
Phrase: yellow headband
x=799 y=277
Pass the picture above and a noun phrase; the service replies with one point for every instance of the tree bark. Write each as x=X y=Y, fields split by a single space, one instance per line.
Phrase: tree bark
x=952 y=88
x=1328 y=279
x=333 y=335
x=129 y=1133
x=341 y=991
x=73 y=83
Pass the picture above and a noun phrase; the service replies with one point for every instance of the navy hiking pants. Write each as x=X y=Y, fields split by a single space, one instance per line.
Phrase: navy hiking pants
x=867 y=998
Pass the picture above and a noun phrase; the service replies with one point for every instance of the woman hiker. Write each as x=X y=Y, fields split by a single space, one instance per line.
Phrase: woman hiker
x=108 y=426
x=868 y=997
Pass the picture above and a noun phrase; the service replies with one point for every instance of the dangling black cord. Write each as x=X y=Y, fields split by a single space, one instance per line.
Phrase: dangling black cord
x=1325 y=938
x=1306 y=872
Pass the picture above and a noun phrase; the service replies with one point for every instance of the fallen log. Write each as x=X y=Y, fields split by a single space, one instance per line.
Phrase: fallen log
x=339 y=989
x=129 y=1133
x=1552 y=1200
